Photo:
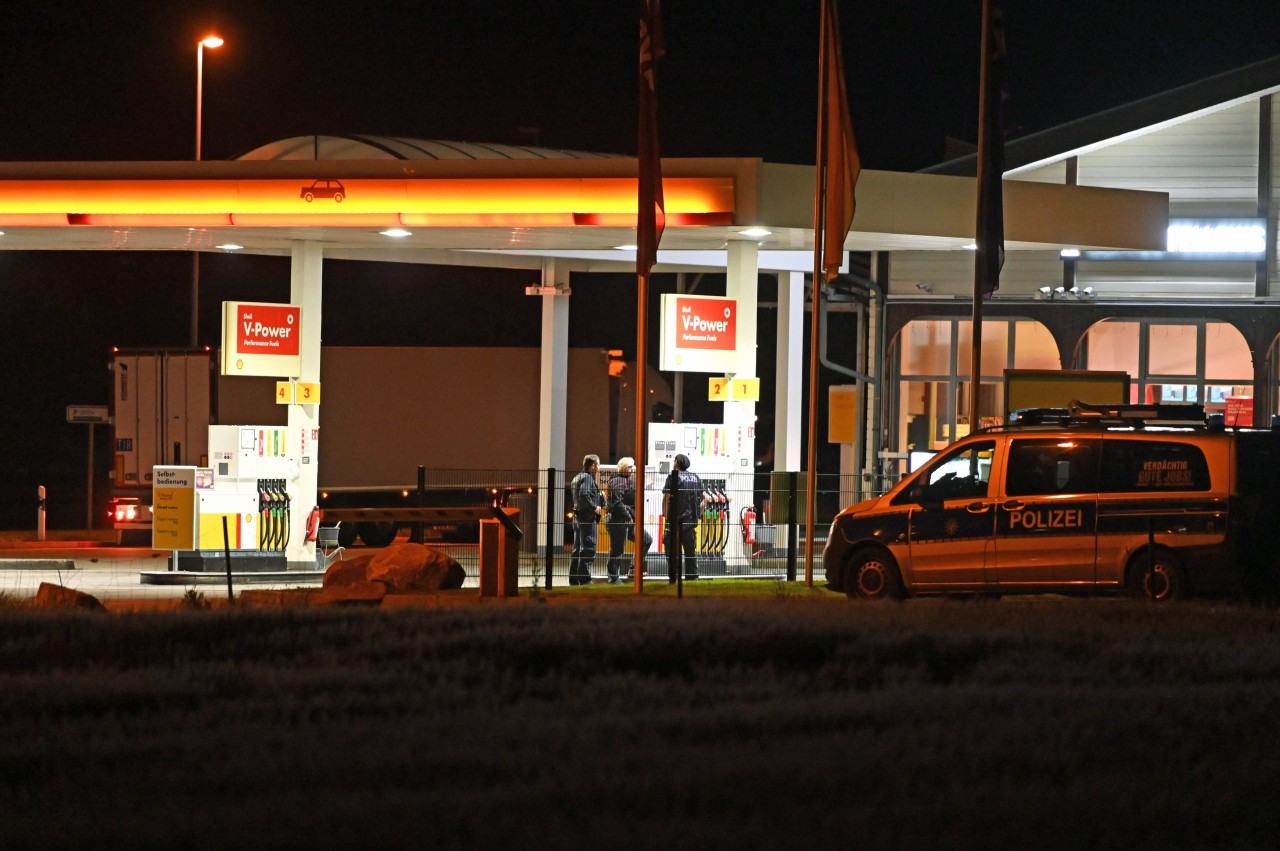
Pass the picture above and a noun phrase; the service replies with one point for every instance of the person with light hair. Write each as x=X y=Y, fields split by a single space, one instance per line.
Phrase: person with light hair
x=622 y=520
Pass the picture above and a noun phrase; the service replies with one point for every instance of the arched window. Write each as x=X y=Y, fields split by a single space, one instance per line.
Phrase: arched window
x=932 y=360
x=1196 y=361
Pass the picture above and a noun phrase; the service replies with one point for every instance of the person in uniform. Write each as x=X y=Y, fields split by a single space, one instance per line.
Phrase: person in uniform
x=683 y=502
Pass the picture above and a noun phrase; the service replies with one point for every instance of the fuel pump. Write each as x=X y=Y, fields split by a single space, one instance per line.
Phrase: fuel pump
x=251 y=469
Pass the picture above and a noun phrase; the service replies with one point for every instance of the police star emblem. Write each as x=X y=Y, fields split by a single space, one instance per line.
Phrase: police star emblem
x=952 y=526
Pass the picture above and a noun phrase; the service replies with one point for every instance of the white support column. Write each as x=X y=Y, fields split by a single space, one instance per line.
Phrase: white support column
x=305 y=290
x=742 y=283
x=553 y=400
x=790 y=390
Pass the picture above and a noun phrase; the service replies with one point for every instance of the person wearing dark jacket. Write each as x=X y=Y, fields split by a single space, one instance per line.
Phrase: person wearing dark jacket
x=622 y=520
x=588 y=505
x=683 y=502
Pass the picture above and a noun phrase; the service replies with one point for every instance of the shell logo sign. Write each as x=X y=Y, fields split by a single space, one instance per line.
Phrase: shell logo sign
x=699 y=333
x=261 y=339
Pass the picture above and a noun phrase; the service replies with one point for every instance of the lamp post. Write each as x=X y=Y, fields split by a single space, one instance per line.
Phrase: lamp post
x=210 y=41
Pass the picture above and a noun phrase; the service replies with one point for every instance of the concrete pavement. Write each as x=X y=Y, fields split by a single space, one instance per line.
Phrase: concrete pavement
x=109 y=572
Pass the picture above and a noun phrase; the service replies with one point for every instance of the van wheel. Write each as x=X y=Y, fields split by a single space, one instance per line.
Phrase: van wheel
x=377 y=534
x=873 y=575
x=1156 y=576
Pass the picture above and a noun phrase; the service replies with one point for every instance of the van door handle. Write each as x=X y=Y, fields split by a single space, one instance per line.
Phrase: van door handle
x=1014 y=505
x=977 y=507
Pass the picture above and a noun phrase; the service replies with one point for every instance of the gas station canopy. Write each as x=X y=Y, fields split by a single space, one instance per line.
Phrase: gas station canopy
x=512 y=212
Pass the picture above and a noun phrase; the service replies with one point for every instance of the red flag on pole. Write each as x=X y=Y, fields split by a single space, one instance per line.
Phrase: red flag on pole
x=836 y=176
x=651 y=216
x=842 y=164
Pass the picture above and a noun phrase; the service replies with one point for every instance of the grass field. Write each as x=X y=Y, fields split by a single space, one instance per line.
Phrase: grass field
x=785 y=719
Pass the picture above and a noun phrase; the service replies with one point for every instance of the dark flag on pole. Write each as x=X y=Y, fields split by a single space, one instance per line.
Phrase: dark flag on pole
x=650 y=217
x=842 y=164
x=990 y=226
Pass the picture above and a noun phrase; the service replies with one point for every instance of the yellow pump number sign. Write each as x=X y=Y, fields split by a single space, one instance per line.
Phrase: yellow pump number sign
x=297 y=393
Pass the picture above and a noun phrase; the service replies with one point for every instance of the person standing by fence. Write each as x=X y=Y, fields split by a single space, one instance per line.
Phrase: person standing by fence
x=588 y=505
x=683 y=502
x=622 y=519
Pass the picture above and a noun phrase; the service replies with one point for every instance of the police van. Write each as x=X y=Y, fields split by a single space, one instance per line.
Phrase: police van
x=1150 y=500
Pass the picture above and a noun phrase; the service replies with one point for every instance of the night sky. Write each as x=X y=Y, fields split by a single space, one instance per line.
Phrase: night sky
x=93 y=80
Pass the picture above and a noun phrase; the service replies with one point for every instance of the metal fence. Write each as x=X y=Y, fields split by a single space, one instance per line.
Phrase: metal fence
x=754 y=525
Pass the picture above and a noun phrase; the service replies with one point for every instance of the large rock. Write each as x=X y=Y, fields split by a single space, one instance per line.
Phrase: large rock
x=406 y=568
x=50 y=596
x=348 y=571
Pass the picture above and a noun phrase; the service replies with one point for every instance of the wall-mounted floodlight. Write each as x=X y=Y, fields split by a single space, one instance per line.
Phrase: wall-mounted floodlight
x=1045 y=293
x=1069 y=253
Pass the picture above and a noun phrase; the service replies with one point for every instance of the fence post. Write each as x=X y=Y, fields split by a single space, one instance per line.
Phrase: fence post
x=417 y=533
x=549 y=559
x=793 y=526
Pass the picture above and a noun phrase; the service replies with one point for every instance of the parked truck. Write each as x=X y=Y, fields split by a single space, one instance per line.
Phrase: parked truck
x=468 y=415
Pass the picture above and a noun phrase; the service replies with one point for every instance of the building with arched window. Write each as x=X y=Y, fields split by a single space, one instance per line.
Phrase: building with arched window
x=1198 y=322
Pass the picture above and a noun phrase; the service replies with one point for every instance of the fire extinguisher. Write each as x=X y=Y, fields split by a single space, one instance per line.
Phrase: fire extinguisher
x=313 y=524
x=748 y=515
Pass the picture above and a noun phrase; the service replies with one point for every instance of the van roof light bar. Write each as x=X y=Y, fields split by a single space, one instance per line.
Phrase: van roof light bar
x=1081 y=413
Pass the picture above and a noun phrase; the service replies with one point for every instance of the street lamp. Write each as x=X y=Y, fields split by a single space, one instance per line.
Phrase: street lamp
x=210 y=41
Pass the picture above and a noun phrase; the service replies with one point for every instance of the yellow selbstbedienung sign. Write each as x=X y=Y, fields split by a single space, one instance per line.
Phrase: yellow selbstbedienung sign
x=173 y=503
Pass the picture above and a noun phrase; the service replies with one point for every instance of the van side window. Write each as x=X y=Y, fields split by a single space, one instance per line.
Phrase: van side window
x=1041 y=466
x=1152 y=465
x=964 y=473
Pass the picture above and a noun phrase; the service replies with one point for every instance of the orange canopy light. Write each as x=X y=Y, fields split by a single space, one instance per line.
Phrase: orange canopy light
x=534 y=202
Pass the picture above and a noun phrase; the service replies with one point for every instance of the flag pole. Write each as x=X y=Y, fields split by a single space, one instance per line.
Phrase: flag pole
x=642 y=301
x=819 y=217
x=979 y=256
x=650 y=220
x=989 y=227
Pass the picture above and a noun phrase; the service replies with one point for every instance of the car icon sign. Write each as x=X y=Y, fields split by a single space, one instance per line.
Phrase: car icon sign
x=324 y=189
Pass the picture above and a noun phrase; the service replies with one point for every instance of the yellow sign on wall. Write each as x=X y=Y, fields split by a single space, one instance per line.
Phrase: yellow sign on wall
x=842 y=413
x=718 y=389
